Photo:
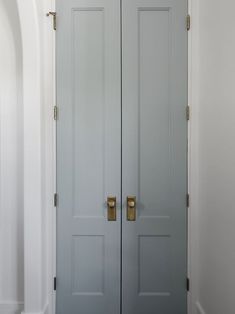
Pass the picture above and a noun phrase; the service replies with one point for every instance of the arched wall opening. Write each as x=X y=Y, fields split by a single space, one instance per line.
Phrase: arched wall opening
x=11 y=161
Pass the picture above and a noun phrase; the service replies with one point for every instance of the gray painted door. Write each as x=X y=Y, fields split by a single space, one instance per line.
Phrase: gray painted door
x=88 y=156
x=135 y=266
x=154 y=145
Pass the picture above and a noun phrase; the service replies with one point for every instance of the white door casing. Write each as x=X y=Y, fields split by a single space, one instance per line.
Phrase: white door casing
x=47 y=67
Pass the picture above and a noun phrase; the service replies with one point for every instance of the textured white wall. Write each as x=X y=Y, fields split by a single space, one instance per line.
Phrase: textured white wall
x=11 y=160
x=216 y=225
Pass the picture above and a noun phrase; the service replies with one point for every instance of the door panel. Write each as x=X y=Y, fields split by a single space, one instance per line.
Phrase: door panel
x=88 y=156
x=154 y=85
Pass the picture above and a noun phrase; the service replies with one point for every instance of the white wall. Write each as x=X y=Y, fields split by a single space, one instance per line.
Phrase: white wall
x=216 y=127
x=11 y=161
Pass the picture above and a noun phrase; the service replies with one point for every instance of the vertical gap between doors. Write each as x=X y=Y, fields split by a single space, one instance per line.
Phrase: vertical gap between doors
x=121 y=215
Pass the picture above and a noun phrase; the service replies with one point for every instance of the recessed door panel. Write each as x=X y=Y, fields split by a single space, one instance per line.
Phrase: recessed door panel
x=154 y=111
x=88 y=265
x=88 y=110
x=154 y=146
x=88 y=156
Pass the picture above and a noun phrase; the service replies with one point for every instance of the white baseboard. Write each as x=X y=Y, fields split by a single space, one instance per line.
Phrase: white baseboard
x=11 y=307
x=199 y=308
x=32 y=312
x=44 y=311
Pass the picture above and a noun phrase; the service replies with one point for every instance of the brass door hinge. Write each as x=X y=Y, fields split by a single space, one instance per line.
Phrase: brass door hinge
x=55 y=112
x=54 y=283
x=54 y=18
x=187 y=284
x=188 y=22
x=187 y=200
x=188 y=113
x=55 y=200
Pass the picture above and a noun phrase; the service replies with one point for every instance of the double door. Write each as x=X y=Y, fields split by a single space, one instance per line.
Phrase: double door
x=121 y=156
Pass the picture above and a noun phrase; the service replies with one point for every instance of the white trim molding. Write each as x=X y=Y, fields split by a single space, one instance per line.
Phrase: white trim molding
x=193 y=94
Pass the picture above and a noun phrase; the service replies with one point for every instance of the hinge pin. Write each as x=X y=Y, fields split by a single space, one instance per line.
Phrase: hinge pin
x=54 y=19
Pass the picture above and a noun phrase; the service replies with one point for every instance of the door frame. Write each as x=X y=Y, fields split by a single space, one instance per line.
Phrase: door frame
x=193 y=87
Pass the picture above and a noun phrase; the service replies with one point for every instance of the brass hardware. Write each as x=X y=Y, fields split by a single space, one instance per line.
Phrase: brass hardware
x=187 y=284
x=111 y=204
x=54 y=19
x=188 y=113
x=55 y=113
x=55 y=200
x=131 y=208
x=187 y=200
x=188 y=22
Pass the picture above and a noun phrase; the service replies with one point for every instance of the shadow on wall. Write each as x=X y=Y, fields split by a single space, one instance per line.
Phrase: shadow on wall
x=11 y=160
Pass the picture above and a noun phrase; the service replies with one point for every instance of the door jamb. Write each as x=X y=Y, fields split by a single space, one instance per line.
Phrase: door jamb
x=193 y=93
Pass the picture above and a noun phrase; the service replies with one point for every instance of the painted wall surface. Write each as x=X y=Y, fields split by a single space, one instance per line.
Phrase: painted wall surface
x=216 y=138
x=214 y=66
x=11 y=160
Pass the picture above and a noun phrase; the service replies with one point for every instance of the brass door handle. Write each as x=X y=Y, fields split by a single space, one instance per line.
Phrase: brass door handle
x=131 y=208
x=111 y=206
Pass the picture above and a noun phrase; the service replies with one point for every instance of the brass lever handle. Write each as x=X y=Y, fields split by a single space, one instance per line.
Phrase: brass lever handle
x=131 y=203
x=111 y=205
x=131 y=208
